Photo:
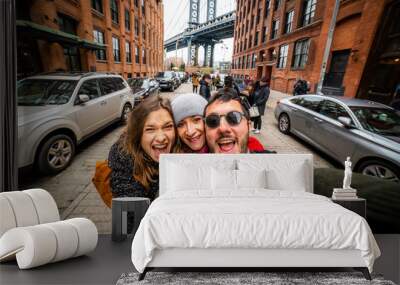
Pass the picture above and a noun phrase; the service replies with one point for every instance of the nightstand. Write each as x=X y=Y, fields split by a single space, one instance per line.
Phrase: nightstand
x=136 y=207
x=357 y=205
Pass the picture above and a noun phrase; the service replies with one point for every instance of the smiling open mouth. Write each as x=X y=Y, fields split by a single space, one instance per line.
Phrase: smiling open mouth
x=226 y=144
x=194 y=139
x=160 y=148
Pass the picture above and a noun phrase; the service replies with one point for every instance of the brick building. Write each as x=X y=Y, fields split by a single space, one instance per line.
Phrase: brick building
x=122 y=36
x=285 y=40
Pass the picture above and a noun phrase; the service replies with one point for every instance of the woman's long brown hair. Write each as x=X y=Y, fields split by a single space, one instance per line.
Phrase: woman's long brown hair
x=144 y=168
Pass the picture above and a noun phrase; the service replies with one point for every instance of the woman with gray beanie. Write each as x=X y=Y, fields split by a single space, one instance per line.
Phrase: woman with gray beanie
x=188 y=116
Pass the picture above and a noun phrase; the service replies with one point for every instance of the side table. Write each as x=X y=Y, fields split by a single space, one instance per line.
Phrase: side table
x=357 y=205
x=137 y=206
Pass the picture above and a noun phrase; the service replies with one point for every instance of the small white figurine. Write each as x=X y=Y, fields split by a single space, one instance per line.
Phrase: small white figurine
x=347 y=174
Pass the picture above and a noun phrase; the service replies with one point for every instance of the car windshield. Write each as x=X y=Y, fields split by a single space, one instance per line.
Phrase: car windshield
x=146 y=84
x=377 y=120
x=164 y=74
x=39 y=92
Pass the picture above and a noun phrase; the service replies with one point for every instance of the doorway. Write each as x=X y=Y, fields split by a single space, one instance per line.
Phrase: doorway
x=380 y=81
x=72 y=58
x=337 y=69
x=259 y=72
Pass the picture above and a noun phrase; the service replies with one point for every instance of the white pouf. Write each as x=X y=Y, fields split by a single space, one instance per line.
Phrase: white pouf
x=31 y=233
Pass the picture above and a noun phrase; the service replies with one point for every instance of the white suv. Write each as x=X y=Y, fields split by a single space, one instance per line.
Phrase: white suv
x=58 y=111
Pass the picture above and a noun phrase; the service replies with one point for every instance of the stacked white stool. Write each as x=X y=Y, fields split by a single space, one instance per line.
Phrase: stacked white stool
x=31 y=230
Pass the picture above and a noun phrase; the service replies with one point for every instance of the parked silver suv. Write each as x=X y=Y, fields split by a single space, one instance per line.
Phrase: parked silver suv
x=57 y=111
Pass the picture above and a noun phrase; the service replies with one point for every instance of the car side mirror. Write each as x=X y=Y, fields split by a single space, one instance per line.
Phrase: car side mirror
x=346 y=121
x=83 y=98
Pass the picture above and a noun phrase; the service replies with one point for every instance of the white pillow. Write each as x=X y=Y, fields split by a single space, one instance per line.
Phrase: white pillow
x=223 y=179
x=181 y=177
x=280 y=174
x=251 y=178
x=290 y=179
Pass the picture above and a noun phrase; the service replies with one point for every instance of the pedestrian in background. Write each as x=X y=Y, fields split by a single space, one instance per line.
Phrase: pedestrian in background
x=195 y=82
x=229 y=83
x=259 y=97
x=205 y=86
x=300 y=87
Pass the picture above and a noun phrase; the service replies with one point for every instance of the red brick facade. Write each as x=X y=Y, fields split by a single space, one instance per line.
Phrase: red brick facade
x=356 y=26
x=148 y=41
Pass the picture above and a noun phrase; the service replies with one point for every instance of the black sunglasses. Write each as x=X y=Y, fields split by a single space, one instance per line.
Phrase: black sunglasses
x=233 y=118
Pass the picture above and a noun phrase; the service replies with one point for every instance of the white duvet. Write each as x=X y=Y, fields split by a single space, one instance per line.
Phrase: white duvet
x=253 y=218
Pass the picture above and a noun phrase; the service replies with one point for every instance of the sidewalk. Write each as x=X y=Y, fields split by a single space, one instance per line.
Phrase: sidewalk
x=273 y=139
x=75 y=182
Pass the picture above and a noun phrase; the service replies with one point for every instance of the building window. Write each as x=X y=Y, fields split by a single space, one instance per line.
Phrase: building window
x=144 y=31
x=289 y=21
x=67 y=24
x=97 y=5
x=277 y=4
x=128 y=56
x=116 y=49
x=144 y=56
x=127 y=20
x=136 y=27
x=256 y=39
x=250 y=41
x=137 y=55
x=308 y=11
x=282 y=58
x=114 y=11
x=275 y=27
x=264 y=34
x=143 y=8
x=137 y=3
x=258 y=16
x=300 y=55
x=98 y=37
x=267 y=7
x=253 y=60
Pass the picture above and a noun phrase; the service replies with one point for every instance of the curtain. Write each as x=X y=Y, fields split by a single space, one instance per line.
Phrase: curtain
x=8 y=108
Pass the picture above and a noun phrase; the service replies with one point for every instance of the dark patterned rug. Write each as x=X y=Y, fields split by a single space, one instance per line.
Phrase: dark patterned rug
x=243 y=278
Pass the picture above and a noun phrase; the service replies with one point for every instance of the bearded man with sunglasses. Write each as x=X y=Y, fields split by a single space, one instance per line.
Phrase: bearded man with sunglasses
x=227 y=124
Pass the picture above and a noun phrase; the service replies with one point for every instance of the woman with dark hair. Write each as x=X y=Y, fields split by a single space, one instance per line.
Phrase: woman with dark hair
x=259 y=97
x=134 y=158
x=205 y=90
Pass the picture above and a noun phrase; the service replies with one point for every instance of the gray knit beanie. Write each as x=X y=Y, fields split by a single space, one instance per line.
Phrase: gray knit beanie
x=187 y=105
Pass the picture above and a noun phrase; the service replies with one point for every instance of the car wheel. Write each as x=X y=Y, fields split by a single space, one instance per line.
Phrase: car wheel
x=381 y=169
x=56 y=154
x=284 y=123
x=125 y=112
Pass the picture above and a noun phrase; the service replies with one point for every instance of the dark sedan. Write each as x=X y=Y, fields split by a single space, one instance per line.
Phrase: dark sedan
x=366 y=131
x=168 y=80
x=143 y=87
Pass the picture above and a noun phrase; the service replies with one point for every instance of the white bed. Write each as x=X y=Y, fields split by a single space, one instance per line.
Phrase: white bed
x=249 y=210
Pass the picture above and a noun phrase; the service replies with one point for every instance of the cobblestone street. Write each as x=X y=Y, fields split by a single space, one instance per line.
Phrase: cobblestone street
x=76 y=196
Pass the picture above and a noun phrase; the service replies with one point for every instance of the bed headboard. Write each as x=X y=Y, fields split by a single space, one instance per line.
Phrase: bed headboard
x=280 y=162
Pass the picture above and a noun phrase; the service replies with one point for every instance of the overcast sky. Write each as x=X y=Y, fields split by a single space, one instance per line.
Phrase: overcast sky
x=176 y=17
